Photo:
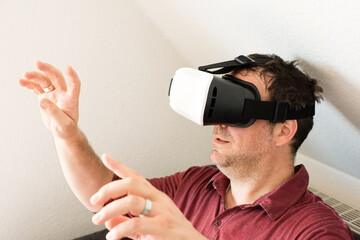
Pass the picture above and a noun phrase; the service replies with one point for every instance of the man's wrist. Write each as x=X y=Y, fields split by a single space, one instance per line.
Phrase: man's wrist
x=76 y=136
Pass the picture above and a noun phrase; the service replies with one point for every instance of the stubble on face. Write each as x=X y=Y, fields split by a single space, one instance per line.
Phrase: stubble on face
x=242 y=156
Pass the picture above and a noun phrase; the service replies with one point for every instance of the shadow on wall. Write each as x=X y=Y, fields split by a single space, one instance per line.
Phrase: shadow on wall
x=337 y=90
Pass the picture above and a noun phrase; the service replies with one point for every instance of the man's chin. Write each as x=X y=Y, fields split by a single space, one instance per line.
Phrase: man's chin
x=218 y=159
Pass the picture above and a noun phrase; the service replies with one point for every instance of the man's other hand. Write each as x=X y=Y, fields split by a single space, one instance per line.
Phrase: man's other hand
x=164 y=221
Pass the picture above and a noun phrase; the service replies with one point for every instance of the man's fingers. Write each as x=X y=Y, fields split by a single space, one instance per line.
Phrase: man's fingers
x=133 y=227
x=131 y=183
x=127 y=186
x=31 y=85
x=118 y=168
x=74 y=81
x=39 y=78
x=115 y=221
x=53 y=73
x=130 y=204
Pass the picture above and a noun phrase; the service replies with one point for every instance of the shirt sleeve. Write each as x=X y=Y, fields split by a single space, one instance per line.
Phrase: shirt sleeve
x=330 y=231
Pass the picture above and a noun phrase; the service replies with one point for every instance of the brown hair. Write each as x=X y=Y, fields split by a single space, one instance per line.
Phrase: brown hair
x=286 y=82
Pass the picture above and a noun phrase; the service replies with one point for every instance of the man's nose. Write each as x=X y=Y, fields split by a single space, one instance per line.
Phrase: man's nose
x=218 y=128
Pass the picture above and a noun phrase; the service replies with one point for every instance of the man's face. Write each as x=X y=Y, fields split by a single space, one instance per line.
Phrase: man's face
x=243 y=147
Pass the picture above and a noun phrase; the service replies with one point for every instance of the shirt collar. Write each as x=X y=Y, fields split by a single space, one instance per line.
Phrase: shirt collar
x=282 y=198
x=219 y=182
x=276 y=202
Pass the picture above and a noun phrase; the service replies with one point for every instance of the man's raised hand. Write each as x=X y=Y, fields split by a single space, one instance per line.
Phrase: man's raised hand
x=59 y=100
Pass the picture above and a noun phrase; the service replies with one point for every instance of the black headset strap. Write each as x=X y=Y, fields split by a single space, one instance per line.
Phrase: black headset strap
x=228 y=66
x=275 y=111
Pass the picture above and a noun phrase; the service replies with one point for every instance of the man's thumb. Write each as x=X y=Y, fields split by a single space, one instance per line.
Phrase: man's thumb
x=59 y=122
x=53 y=111
x=44 y=103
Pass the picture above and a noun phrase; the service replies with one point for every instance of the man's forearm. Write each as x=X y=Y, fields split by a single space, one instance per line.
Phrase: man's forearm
x=82 y=168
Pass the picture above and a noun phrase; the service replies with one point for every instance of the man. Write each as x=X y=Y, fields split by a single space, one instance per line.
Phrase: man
x=254 y=193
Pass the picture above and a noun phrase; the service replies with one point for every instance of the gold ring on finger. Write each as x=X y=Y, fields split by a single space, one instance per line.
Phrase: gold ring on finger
x=49 y=88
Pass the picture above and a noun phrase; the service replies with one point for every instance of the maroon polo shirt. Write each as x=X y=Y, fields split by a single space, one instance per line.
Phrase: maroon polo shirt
x=288 y=212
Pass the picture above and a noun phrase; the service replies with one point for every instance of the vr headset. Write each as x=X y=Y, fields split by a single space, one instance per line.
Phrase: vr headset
x=207 y=99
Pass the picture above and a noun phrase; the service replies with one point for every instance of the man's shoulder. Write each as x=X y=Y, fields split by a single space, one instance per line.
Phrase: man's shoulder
x=315 y=207
x=314 y=216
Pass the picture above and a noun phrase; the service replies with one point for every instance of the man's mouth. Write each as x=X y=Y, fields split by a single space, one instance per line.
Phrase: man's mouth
x=218 y=140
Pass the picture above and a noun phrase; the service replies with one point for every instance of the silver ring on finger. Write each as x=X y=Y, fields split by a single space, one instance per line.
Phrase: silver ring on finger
x=147 y=208
x=49 y=88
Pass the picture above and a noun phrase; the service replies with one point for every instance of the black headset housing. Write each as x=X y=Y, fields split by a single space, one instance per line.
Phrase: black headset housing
x=235 y=102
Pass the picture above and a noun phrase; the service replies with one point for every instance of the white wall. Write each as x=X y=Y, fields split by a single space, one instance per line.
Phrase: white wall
x=125 y=53
x=125 y=66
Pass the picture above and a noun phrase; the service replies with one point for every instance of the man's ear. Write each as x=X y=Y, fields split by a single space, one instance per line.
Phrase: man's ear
x=284 y=132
